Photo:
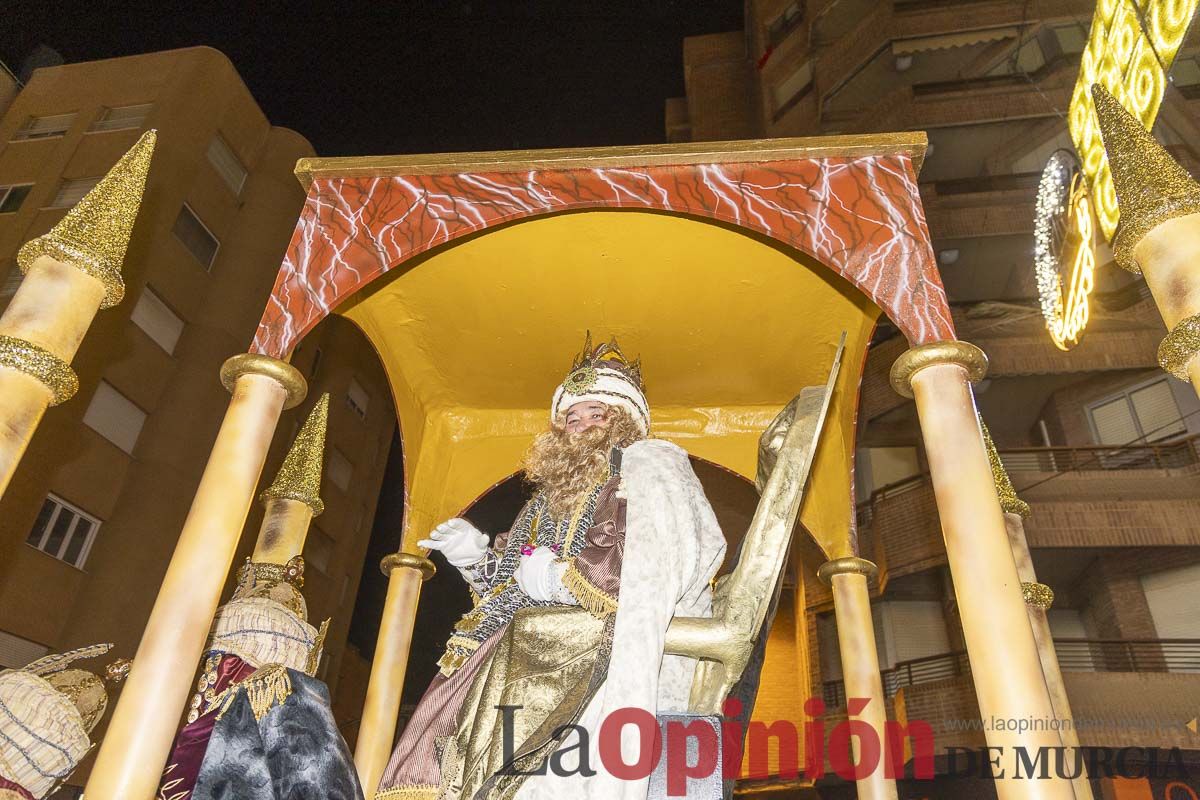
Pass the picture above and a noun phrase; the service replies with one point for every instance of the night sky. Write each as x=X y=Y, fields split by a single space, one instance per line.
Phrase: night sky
x=415 y=77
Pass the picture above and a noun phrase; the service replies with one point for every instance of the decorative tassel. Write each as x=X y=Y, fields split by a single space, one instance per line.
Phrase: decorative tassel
x=595 y=601
x=423 y=791
x=266 y=687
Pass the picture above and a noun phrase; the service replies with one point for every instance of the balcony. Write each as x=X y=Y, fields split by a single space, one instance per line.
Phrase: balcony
x=1122 y=693
x=1179 y=656
x=1124 y=333
x=1137 y=496
x=1182 y=454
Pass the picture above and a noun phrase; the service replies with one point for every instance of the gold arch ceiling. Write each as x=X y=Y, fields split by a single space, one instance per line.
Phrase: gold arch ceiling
x=475 y=337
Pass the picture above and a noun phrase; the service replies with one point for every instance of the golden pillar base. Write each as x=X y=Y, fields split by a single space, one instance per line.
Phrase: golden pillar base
x=860 y=660
x=135 y=748
x=381 y=708
x=1005 y=665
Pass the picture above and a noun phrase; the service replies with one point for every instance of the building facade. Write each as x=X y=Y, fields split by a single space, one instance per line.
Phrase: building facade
x=1098 y=439
x=89 y=523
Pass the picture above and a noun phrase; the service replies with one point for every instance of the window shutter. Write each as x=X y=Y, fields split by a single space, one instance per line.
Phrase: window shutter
x=1157 y=412
x=1114 y=422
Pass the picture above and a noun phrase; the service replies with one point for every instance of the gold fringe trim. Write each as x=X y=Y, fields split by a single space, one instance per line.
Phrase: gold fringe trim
x=266 y=687
x=314 y=653
x=424 y=791
x=452 y=659
x=595 y=601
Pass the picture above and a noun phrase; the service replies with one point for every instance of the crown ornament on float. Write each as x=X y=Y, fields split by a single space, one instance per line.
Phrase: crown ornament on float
x=603 y=374
x=94 y=235
x=583 y=374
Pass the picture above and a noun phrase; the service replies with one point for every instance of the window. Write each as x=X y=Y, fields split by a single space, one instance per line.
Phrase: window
x=63 y=531
x=161 y=324
x=785 y=23
x=877 y=467
x=792 y=89
x=12 y=281
x=115 y=417
x=1174 y=602
x=318 y=549
x=71 y=192
x=1146 y=413
x=339 y=470
x=195 y=237
x=16 y=652
x=45 y=127
x=11 y=197
x=226 y=163
x=357 y=399
x=121 y=118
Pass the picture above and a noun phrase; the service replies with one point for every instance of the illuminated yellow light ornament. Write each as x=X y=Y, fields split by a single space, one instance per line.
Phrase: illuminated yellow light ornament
x=1063 y=234
x=1130 y=50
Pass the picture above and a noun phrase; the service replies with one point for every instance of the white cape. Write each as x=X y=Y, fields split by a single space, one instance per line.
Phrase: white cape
x=673 y=548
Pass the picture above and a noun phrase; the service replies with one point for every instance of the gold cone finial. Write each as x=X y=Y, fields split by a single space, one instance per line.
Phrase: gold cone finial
x=300 y=476
x=1151 y=186
x=1008 y=495
x=94 y=234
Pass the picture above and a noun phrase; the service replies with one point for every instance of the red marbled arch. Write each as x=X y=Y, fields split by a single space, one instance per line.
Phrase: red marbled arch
x=861 y=217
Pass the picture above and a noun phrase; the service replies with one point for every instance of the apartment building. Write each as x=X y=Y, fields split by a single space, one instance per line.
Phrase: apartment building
x=1098 y=439
x=89 y=523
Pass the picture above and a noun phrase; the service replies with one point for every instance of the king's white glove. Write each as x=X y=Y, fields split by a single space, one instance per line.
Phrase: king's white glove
x=537 y=574
x=458 y=540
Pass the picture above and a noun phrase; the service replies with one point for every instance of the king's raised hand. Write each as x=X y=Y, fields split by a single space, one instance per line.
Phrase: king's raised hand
x=458 y=540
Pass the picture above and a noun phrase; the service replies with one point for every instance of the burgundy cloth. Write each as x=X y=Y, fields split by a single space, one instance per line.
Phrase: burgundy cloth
x=191 y=743
x=5 y=783
x=599 y=562
x=414 y=760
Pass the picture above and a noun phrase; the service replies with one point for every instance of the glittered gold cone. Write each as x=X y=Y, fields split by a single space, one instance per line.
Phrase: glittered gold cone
x=1151 y=186
x=300 y=476
x=94 y=235
x=1008 y=495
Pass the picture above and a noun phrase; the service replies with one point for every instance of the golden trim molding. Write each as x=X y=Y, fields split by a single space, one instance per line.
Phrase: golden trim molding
x=38 y=362
x=410 y=560
x=849 y=565
x=911 y=144
x=1178 y=347
x=282 y=372
x=1038 y=595
x=952 y=351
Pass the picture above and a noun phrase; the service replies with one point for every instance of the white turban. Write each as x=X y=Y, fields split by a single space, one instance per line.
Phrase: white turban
x=604 y=376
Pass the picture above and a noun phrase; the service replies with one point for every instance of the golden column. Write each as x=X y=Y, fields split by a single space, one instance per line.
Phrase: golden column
x=294 y=497
x=381 y=709
x=135 y=748
x=1038 y=599
x=1005 y=665
x=70 y=273
x=1159 y=233
x=860 y=659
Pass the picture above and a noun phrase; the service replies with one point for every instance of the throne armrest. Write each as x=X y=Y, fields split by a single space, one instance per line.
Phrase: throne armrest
x=725 y=641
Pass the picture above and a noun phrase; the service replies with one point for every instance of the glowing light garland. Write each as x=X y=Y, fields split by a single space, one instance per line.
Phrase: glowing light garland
x=1063 y=231
x=1130 y=49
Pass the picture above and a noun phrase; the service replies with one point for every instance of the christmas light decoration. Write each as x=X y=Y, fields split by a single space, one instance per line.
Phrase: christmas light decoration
x=1063 y=233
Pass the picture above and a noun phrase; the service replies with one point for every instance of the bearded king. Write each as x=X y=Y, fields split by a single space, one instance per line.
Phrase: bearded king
x=571 y=607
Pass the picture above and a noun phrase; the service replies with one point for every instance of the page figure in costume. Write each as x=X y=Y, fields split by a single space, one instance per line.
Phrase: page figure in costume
x=259 y=726
x=47 y=711
x=571 y=605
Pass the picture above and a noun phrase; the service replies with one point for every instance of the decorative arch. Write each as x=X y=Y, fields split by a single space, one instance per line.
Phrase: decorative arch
x=858 y=214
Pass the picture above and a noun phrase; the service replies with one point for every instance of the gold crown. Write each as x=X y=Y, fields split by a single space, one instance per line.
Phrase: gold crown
x=582 y=376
